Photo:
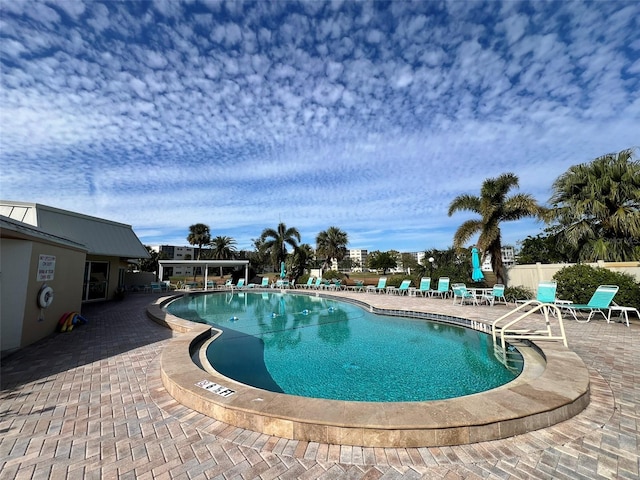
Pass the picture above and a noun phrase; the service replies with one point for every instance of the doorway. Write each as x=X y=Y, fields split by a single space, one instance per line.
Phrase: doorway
x=96 y=281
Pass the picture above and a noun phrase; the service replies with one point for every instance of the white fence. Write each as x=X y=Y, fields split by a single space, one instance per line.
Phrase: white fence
x=530 y=276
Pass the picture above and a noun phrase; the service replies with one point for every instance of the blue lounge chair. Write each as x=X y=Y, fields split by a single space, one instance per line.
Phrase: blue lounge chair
x=403 y=288
x=381 y=287
x=309 y=283
x=546 y=293
x=599 y=302
x=460 y=292
x=425 y=286
x=496 y=295
x=443 y=288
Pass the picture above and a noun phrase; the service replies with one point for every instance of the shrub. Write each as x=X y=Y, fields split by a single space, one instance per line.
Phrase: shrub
x=518 y=293
x=578 y=282
x=332 y=274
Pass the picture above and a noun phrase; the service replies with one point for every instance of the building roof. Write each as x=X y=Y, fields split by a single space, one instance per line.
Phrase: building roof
x=10 y=228
x=207 y=263
x=99 y=236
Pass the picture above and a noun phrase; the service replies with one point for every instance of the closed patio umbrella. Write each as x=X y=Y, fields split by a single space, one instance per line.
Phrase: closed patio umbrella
x=476 y=274
x=283 y=272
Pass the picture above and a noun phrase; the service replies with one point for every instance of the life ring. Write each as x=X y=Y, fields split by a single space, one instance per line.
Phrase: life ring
x=45 y=296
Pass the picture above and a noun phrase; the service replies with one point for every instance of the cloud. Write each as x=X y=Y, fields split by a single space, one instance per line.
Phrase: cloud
x=367 y=116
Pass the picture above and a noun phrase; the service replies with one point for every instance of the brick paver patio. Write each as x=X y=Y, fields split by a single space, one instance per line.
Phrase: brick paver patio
x=90 y=404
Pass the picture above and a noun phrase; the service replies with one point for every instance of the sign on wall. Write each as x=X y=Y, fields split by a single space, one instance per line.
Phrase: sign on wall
x=46 y=268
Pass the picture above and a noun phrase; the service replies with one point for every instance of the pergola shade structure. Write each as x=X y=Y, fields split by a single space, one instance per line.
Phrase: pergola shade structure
x=206 y=264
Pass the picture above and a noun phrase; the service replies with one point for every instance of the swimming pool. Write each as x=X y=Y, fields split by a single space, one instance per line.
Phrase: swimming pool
x=324 y=348
x=553 y=387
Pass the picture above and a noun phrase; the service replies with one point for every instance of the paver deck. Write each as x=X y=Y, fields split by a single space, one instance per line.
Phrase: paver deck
x=90 y=404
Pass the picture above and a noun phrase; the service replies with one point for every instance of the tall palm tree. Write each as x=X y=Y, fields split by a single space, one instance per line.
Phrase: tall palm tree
x=598 y=207
x=275 y=242
x=223 y=248
x=494 y=206
x=199 y=234
x=330 y=244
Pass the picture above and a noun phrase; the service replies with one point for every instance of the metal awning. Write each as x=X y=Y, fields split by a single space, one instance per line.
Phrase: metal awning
x=206 y=264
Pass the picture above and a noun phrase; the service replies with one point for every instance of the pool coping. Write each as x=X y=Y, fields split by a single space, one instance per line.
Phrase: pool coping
x=544 y=394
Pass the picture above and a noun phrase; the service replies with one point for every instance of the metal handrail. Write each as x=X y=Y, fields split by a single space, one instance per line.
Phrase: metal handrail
x=504 y=331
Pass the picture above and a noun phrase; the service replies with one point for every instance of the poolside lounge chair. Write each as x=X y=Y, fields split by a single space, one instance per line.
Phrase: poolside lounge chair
x=443 y=288
x=402 y=289
x=496 y=295
x=358 y=286
x=546 y=293
x=598 y=303
x=318 y=284
x=460 y=292
x=307 y=285
x=240 y=283
x=156 y=287
x=381 y=287
x=265 y=282
x=425 y=286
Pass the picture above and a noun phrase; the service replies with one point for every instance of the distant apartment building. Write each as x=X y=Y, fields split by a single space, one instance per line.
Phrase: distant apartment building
x=418 y=256
x=508 y=258
x=358 y=258
x=171 y=252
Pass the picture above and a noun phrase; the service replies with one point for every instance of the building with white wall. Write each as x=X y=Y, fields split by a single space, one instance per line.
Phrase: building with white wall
x=508 y=258
x=172 y=252
x=358 y=257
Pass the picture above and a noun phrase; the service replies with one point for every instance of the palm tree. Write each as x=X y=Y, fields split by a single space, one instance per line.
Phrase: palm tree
x=199 y=234
x=331 y=244
x=223 y=248
x=598 y=207
x=299 y=260
x=494 y=206
x=275 y=242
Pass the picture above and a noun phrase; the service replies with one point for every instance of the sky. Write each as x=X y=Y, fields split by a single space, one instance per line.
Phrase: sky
x=367 y=116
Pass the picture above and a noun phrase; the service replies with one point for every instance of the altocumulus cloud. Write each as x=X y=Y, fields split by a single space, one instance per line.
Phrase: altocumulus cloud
x=369 y=116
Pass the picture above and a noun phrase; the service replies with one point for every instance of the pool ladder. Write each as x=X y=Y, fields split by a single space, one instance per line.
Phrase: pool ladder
x=553 y=328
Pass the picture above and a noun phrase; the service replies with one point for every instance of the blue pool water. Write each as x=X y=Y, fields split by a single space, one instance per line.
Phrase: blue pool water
x=323 y=348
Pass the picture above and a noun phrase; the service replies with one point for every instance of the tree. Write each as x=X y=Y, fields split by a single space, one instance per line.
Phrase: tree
x=275 y=242
x=382 y=261
x=258 y=258
x=299 y=260
x=494 y=206
x=330 y=244
x=223 y=248
x=454 y=263
x=597 y=205
x=546 y=247
x=409 y=262
x=199 y=234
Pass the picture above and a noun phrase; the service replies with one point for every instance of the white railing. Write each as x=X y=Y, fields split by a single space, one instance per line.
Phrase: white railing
x=550 y=313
